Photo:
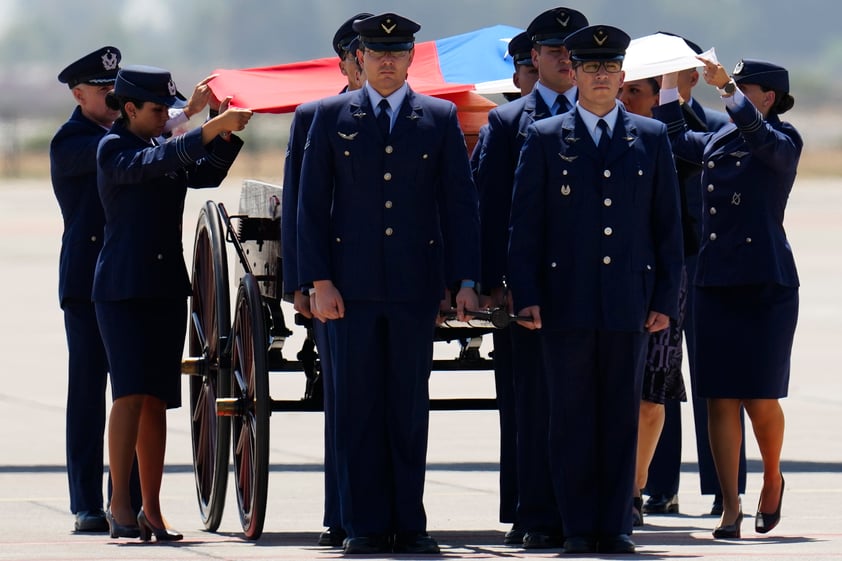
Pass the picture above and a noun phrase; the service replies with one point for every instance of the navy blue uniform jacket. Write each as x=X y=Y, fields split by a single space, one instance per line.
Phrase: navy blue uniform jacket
x=748 y=169
x=596 y=245
x=142 y=189
x=501 y=146
x=375 y=215
x=73 y=172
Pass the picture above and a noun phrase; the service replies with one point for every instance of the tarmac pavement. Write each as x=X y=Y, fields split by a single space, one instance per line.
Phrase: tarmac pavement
x=461 y=493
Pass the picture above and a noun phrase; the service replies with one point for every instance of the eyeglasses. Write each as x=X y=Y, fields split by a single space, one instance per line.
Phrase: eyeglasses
x=592 y=66
x=380 y=55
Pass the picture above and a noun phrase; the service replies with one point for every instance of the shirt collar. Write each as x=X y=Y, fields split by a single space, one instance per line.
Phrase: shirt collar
x=591 y=120
x=395 y=99
x=549 y=96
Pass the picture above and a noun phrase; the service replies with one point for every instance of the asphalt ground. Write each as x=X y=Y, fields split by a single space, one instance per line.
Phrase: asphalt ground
x=462 y=476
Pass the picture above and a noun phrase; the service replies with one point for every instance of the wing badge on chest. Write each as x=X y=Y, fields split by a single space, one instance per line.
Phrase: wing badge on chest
x=347 y=136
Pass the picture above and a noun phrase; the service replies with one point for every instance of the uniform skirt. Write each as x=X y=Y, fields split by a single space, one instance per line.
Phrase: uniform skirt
x=744 y=340
x=144 y=341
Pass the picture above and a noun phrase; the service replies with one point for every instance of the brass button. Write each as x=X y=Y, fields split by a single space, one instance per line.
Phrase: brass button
x=748 y=240
x=387 y=176
x=388 y=204
x=347 y=153
x=710 y=188
x=338 y=240
x=425 y=156
x=607 y=202
x=712 y=236
x=553 y=265
x=564 y=172
x=389 y=149
x=389 y=231
x=608 y=231
x=640 y=172
x=607 y=173
x=711 y=164
x=160 y=257
x=607 y=259
x=93 y=238
x=712 y=211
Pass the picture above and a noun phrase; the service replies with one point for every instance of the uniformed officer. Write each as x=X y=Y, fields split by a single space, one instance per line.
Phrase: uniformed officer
x=665 y=468
x=595 y=259
x=746 y=283
x=517 y=354
x=141 y=283
x=73 y=173
x=345 y=43
x=387 y=218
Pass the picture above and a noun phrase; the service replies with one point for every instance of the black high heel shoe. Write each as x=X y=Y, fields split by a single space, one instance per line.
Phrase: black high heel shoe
x=117 y=530
x=161 y=534
x=729 y=531
x=764 y=521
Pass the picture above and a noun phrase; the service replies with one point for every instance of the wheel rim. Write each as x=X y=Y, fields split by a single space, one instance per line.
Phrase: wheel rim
x=250 y=429
x=210 y=305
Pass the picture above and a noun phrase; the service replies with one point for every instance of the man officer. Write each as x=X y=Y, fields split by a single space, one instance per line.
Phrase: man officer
x=665 y=469
x=517 y=353
x=387 y=218
x=73 y=174
x=345 y=43
x=595 y=260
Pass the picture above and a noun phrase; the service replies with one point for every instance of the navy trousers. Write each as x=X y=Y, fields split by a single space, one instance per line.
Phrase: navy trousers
x=594 y=383
x=505 y=390
x=382 y=356
x=332 y=515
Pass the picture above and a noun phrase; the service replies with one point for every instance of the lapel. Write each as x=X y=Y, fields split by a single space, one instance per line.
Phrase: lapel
x=527 y=116
x=408 y=115
x=540 y=109
x=694 y=116
x=362 y=115
x=623 y=137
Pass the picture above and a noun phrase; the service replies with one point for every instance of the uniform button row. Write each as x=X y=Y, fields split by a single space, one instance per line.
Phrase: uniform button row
x=607 y=202
x=389 y=231
x=388 y=204
x=387 y=176
x=608 y=231
x=607 y=259
x=93 y=238
x=712 y=210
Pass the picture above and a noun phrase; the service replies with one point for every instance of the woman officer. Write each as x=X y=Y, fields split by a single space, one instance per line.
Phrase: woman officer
x=141 y=281
x=746 y=284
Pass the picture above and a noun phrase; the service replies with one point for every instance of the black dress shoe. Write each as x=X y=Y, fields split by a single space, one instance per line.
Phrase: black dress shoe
x=90 y=521
x=729 y=531
x=763 y=521
x=514 y=536
x=661 y=504
x=367 y=545
x=543 y=540
x=621 y=543
x=333 y=537
x=579 y=544
x=147 y=530
x=117 y=530
x=637 y=512
x=716 y=508
x=416 y=544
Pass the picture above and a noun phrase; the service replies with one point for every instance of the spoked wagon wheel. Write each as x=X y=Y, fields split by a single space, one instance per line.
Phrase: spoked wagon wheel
x=210 y=321
x=250 y=389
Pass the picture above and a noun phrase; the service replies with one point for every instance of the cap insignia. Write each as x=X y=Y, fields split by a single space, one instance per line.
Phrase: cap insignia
x=600 y=37
x=738 y=68
x=171 y=87
x=388 y=28
x=109 y=60
x=562 y=20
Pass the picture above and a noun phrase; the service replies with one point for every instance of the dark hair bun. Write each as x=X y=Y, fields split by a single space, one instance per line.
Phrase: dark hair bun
x=784 y=103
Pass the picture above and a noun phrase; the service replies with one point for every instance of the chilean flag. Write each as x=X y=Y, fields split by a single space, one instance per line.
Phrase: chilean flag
x=452 y=68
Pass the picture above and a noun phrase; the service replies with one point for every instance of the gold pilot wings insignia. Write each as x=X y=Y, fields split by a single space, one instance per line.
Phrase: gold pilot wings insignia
x=345 y=136
x=388 y=28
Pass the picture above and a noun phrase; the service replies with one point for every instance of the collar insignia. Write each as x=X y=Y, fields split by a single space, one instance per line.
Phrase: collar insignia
x=109 y=60
x=350 y=136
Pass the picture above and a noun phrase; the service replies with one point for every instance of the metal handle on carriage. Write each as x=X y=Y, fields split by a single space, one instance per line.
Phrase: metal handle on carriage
x=497 y=318
x=231 y=236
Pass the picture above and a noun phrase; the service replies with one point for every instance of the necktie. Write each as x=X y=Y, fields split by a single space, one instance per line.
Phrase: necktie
x=562 y=105
x=605 y=137
x=383 y=121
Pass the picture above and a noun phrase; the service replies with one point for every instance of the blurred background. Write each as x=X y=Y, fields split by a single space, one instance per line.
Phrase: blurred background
x=193 y=37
